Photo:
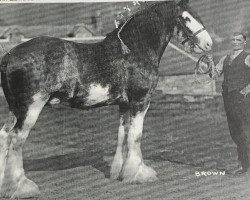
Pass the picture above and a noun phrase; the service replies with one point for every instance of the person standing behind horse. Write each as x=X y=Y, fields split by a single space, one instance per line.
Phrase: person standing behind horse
x=236 y=97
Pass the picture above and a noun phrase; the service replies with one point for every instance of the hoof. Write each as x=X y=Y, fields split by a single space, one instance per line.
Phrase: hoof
x=142 y=175
x=26 y=189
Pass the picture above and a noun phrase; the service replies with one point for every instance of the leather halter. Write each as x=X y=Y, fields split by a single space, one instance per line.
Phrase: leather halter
x=189 y=36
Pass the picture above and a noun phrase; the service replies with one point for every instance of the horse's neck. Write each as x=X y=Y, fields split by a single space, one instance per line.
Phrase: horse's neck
x=146 y=34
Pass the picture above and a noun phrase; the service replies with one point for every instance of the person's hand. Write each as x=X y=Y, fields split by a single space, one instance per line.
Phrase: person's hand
x=245 y=91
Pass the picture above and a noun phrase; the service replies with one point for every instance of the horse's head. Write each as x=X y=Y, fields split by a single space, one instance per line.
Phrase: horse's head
x=190 y=29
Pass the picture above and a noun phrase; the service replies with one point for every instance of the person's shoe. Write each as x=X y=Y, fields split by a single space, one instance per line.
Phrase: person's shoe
x=239 y=170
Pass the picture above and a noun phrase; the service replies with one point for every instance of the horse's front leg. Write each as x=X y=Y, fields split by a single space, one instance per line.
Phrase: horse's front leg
x=134 y=169
x=121 y=150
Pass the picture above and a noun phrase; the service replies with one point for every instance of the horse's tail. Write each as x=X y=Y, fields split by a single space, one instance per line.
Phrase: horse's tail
x=3 y=81
x=4 y=62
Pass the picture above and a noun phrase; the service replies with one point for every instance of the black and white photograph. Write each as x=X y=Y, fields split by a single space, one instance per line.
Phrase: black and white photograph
x=115 y=100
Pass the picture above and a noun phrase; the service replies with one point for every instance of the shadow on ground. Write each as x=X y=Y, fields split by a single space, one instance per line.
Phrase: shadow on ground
x=69 y=161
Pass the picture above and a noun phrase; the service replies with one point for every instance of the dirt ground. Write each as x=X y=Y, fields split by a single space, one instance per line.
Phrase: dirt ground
x=69 y=152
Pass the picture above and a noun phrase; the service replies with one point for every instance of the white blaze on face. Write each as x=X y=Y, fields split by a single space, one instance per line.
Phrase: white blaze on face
x=97 y=94
x=204 y=39
x=192 y=23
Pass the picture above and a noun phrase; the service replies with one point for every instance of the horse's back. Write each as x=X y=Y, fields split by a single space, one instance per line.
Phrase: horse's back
x=40 y=48
x=40 y=64
x=50 y=53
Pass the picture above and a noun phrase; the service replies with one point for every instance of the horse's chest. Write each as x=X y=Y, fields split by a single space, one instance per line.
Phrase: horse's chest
x=142 y=79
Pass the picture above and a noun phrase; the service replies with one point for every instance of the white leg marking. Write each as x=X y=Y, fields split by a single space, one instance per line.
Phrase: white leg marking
x=31 y=117
x=34 y=110
x=5 y=137
x=118 y=158
x=4 y=148
x=134 y=169
x=97 y=94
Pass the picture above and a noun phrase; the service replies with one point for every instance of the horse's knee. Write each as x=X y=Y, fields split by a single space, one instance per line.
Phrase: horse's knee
x=4 y=140
x=10 y=123
x=19 y=139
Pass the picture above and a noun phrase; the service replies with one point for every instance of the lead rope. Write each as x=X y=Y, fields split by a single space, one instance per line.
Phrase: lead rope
x=213 y=77
x=198 y=69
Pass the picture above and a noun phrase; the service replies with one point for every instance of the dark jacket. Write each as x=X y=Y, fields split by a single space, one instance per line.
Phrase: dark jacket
x=236 y=73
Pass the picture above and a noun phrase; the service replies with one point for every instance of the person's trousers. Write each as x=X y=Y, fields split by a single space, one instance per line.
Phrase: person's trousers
x=237 y=108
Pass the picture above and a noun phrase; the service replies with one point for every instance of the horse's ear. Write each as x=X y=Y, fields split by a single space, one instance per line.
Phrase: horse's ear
x=181 y=5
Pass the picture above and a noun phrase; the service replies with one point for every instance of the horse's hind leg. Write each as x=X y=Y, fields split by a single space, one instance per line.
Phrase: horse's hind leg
x=16 y=184
x=5 y=139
